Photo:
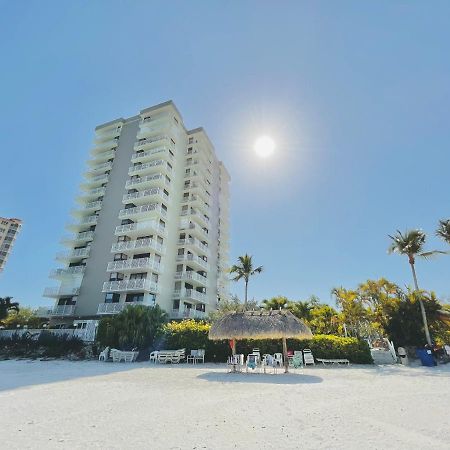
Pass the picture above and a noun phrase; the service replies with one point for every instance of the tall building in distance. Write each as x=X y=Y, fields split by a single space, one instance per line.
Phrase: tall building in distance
x=9 y=228
x=152 y=223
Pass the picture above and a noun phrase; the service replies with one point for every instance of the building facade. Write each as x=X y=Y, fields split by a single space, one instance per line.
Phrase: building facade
x=151 y=226
x=9 y=228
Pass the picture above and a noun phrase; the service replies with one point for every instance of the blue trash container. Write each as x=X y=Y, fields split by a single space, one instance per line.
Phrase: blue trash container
x=426 y=357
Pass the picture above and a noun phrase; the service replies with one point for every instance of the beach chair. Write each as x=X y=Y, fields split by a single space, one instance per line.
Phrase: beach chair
x=252 y=362
x=278 y=359
x=104 y=355
x=116 y=355
x=200 y=357
x=154 y=356
x=308 y=357
x=192 y=356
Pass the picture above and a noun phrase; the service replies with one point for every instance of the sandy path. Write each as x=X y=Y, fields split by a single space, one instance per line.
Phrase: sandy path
x=63 y=404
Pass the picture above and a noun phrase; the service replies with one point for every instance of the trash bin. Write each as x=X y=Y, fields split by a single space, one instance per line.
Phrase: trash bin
x=426 y=357
x=403 y=356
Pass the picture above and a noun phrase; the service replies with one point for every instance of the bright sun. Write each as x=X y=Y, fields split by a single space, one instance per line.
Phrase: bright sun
x=264 y=146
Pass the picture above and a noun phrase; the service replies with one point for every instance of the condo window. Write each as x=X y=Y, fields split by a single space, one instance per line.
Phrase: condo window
x=134 y=298
x=176 y=304
x=173 y=142
x=138 y=276
x=191 y=140
x=112 y=298
x=116 y=276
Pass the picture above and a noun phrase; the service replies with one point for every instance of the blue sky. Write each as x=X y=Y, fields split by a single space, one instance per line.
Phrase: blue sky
x=355 y=94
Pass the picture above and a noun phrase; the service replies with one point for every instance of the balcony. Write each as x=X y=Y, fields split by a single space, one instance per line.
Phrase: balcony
x=136 y=229
x=197 y=201
x=193 y=228
x=197 y=216
x=63 y=310
x=79 y=253
x=94 y=182
x=149 y=181
x=79 y=238
x=160 y=165
x=83 y=223
x=152 y=209
x=153 y=194
x=134 y=265
x=116 y=308
x=145 y=156
x=98 y=169
x=191 y=277
x=68 y=272
x=192 y=242
x=90 y=195
x=147 y=244
x=190 y=294
x=61 y=291
x=194 y=261
x=151 y=142
x=88 y=208
x=187 y=313
x=104 y=146
x=130 y=286
x=102 y=156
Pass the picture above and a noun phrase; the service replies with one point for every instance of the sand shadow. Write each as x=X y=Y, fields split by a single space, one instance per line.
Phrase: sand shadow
x=22 y=373
x=260 y=378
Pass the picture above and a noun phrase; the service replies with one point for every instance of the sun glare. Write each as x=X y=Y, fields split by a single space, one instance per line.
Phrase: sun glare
x=264 y=146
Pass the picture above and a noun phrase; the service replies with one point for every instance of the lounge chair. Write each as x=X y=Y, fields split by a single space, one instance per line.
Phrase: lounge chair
x=308 y=357
x=235 y=362
x=116 y=355
x=297 y=360
x=326 y=361
x=252 y=362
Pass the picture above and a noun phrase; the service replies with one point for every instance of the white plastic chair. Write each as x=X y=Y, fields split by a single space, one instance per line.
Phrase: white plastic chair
x=191 y=358
x=104 y=355
x=308 y=357
x=154 y=356
x=200 y=356
x=278 y=359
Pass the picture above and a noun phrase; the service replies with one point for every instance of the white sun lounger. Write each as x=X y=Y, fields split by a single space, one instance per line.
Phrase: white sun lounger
x=325 y=361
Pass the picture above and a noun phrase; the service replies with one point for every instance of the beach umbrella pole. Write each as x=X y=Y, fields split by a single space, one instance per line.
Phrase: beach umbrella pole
x=285 y=356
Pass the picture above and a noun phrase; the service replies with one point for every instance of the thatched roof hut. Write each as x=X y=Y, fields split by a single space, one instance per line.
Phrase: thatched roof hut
x=262 y=324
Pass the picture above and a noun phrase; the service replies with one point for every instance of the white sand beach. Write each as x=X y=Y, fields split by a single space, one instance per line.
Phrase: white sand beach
x=61 y=404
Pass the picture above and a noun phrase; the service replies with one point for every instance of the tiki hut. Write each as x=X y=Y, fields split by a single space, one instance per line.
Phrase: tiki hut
x=262 y=324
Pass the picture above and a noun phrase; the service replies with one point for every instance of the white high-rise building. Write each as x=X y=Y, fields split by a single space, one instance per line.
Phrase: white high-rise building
x=9 y=228
x=152 y=223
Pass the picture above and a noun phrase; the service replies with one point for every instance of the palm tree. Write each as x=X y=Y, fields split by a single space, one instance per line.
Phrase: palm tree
x=6 y=305
x=411 y=244
x=443 y=230
x=244 y=269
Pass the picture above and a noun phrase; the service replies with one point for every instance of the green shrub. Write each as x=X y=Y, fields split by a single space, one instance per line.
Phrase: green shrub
x=192 y=335
x=135 y=327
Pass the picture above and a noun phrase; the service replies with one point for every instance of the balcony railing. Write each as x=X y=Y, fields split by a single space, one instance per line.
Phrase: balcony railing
x=130 y=285
x=145 y=194
x=147 y=180
x=134 y=264
x=92 y=171
x=191 y=275
x=63 y=310
x=191 y=313
x=152 y=164
x=76 y=253
x=80 y=237
x=149 y=153
x=193 y=259
x=102 y=156
x=190 y=294
x=115 y=308
x=133 y=228
x=60 y=291
x=139 y=210
x=69 y=271
x=147 y=141
x=186 y=225
x=137 y=244
x=192 y=241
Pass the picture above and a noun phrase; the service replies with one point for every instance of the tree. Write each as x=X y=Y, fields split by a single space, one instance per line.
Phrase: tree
x=25 y=316
x=443 y=230
x=244 y=269
x=324 y=320
x=6 y=305
x=302 y=309
x=274 y=303
x=411 y=244
x=135 y=327
x=232 y=305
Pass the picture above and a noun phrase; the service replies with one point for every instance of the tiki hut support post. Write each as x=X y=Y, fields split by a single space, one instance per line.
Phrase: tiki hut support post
x=285 y=356
x=233 y=349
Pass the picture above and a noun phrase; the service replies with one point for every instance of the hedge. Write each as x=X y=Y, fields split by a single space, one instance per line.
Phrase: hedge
x=190 y=335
